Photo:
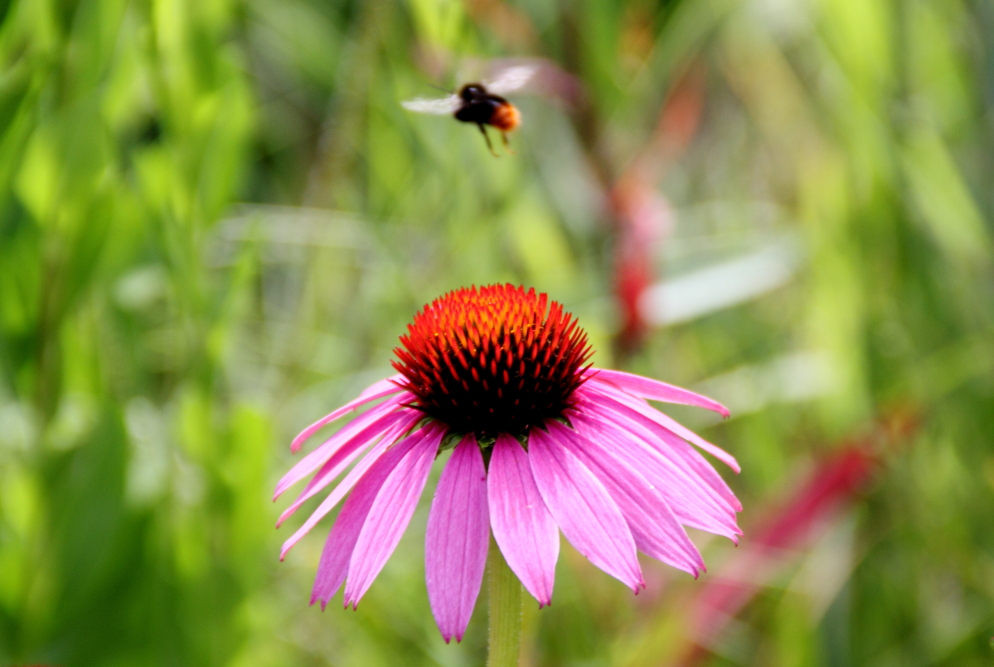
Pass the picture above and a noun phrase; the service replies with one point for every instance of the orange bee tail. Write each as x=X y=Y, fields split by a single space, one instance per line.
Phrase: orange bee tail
x=506 y=117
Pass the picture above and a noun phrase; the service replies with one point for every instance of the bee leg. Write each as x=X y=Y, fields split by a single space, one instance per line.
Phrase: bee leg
x=507 y=144
x=487 y=137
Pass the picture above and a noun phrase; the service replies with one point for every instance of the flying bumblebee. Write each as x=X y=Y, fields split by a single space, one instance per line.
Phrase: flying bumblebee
x=481 y=103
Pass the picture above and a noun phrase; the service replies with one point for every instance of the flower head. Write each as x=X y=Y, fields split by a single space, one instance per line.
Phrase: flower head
x=494 y=360
x=541 y=442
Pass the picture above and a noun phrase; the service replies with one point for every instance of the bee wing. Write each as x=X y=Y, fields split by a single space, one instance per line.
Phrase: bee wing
x=511 y=79
x=439 y=106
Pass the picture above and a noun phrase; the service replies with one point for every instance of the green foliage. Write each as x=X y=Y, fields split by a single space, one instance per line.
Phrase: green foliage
x=215 y=219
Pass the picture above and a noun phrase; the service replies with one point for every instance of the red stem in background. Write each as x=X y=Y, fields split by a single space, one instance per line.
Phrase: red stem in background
x=786 y=530
x=642 y=212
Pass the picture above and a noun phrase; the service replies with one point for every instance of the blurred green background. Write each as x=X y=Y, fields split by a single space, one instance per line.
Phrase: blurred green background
x=215 y=220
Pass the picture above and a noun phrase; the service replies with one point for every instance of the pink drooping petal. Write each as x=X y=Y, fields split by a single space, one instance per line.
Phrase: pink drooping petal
x=396 y=380
x=584 y=510
x=655 y=390
x=669 y=444
x=696 y=462
x=371 y=393
x=522 y=525
x=390 y=513
x=663 y=420
x=673 y=448
x=656 y=530
x=627 y=425
x=334 y=564
x=691 y=500
x=456 y=539
x=348 y=482
x=388 y=428
x=358 y=427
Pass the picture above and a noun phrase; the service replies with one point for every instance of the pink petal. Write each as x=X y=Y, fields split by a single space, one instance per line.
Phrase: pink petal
x=696 y=462
x=382 y=385
x=341 y=541
x=389 y=428
x=654 y=389
x=583 y=508
x=522 y=525
x=691 y=500
x=457 y=538
x=390 y=514
x=348 y=482
x=371 y=393
x=634 y=411
x=656 y=530
x=625 y=426
x=663 y=420
x=678 y=454
x=321 y=454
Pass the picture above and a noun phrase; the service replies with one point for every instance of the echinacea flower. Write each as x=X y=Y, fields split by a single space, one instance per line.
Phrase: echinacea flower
x=541 y=442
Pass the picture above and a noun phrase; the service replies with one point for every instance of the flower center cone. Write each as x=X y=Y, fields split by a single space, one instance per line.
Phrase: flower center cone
x=497 y=359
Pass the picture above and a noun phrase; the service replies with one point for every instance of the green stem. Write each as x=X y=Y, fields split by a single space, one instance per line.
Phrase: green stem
x=505 y=611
